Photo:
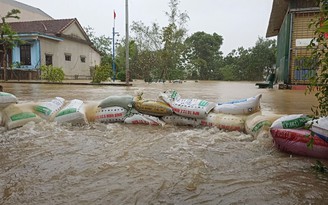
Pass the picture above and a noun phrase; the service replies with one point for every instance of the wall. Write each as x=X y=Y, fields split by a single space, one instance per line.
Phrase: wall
x=76 y=49
x=283 y=44
x=35 y=54
x=28 y=13
x=293 y=38
x=74 y=30
x=301 y=37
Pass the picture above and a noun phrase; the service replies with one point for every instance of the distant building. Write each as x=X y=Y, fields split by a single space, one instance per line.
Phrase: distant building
x=61 y=43
x=28 y=13
x=289 y=21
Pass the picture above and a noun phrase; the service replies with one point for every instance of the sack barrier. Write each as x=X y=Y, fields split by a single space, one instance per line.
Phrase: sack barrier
x=244 y=115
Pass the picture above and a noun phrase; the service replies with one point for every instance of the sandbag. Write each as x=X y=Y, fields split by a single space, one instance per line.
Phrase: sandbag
x=143 y=119
x=224 y=121
x=181 y=120
x=124 y=101
x=151 y=107
x=194 y=108
x=2 y=120
x=6 y=99
x=290 y=122
x=72 y=113
x=239 y=107
x=17 y=115
x=110 y=114
x=47 y=110
x=320 y=128
x=296 y=141
x=257 y=122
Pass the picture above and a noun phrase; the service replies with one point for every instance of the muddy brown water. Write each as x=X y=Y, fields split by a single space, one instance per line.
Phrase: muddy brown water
x=118 y=163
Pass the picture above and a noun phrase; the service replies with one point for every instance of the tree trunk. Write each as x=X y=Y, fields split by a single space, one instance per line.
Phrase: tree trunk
x=4 y=63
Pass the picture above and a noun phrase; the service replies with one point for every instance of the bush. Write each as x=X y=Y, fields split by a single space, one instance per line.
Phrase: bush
x=101 y=73
x=318 y=45
x=52 y=74
x=121 y=76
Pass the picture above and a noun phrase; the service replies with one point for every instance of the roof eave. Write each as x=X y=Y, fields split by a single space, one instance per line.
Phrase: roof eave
x=279 y=9
x=35 y=35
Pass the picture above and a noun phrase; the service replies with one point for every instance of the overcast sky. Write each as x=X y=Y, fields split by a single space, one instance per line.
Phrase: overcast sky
x=239 y=22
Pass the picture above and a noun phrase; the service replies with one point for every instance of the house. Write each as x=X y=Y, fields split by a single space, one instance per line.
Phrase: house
x=47 y=41
x=61 y=43
x=28 y=13
x=289 y=21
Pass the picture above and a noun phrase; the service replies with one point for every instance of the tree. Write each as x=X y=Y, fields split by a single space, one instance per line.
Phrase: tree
x=174 y=36
x=252 y=64
x=120 y=59
x=147 y=47
x=228 y=72
x=160 y=49
x=147 y=37
x=235 y=64
x=101 y=43
x=8 y=38
x=263 y=56
x=318 y=45
x=203 y=50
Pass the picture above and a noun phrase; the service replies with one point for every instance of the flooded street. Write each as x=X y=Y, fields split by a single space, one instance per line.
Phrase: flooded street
x=117 y=163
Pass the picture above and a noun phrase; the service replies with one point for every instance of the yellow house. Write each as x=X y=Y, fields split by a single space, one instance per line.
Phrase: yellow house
x=47 y=41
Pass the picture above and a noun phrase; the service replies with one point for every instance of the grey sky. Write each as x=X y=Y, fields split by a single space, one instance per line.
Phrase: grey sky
x=240 y=22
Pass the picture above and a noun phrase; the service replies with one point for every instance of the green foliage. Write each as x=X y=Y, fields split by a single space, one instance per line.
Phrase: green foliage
x=7 y=37
x=121 y=76
x=121 y=57
x=319 y=167
x=228 y=72
x=168 y=53
x=173 y=37
x=52 y=74
x=101 y=73
x=159 y=50
x=319 y=81
x=202 y=50
x=253 y=64
x=101 y=43
x=263 y=59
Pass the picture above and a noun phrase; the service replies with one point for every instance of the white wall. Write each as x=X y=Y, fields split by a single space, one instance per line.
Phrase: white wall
x=76 y=49
x=25 y=15
x=75 y=31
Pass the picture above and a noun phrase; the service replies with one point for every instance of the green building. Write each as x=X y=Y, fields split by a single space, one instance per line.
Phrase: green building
x=289 y=21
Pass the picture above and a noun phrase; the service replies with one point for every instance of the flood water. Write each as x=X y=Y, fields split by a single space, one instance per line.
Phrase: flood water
x=118 y=163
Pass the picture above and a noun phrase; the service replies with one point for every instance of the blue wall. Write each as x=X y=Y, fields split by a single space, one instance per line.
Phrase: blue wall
x=35 y=55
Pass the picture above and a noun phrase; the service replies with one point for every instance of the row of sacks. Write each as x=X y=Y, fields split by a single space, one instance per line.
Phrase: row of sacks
x=289 y=132
x=297 y=134
x=170 y=102
x=170 y=108
x=301 y=135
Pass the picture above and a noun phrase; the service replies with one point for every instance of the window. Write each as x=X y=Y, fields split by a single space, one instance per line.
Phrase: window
x=82 y=59
x=48 y=59
x=67 y=57
x=304 y=67
x=25 y=54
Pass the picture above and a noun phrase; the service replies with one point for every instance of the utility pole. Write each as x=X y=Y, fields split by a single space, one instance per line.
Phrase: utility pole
x=113 y=57
x=127 y=69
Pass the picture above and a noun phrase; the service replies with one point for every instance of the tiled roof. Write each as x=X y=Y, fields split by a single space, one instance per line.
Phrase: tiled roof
x=50 y=27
